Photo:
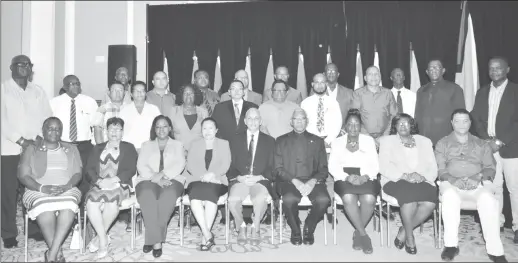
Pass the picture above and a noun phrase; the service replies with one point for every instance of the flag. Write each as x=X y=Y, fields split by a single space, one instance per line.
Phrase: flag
x=301 y=77
x=194 y=65
x=166 y=67
x=377 y=62
x=358 y=80
x=415 y=81
x=248 y=69
x=467 y=67
x=268 y=80
x=217 y=75
x=329 y=55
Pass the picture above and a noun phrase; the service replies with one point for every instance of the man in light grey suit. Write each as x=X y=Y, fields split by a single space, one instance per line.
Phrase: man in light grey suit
x=249 y=95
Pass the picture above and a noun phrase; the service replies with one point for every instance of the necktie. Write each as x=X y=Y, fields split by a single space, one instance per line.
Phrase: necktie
x=207 y=105
x=73 y=125
x=399 y=102
x=251 y=153
x=236 y=111
x=320 y=116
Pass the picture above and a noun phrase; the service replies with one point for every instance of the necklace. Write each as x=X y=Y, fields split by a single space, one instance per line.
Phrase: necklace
x=410 y=144
x=351 y=142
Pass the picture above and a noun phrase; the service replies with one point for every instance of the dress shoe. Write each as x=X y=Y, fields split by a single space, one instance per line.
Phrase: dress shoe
x=515 y=240
x=241 y=235
x=147 y=248
x=309 y=237
x=398 y=243
x=10 y=242
x=37 y=237
x=449 y=253
x=296 y=238
x=157 y=252
x=497 y=258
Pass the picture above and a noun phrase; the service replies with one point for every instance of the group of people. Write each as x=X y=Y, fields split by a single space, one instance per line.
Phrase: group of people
x=68 y=154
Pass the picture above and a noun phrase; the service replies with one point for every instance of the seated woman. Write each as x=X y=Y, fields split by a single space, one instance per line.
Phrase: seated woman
x=110 y=167
x=208 y=182
x=408 y=169
x=50 y=172
x=138 y=116
x=353 y=163
x=187 y=117
x=160 y=182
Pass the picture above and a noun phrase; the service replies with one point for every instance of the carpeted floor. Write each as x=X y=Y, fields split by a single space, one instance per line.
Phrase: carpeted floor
x=471 y=244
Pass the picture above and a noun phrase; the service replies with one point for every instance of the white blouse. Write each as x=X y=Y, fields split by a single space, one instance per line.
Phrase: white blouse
x=137 y=126
x=366 y=157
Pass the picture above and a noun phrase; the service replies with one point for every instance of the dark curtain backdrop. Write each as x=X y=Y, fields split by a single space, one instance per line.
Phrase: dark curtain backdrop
x=431 y=26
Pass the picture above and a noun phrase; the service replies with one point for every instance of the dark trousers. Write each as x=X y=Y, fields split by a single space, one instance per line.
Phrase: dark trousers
x=291 y=197
x=84 y=186
x=10 y=189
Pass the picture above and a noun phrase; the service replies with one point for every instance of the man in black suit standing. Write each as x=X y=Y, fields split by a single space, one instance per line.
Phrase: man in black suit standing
x=250 y=174
x=301 y=166
x=495 y=115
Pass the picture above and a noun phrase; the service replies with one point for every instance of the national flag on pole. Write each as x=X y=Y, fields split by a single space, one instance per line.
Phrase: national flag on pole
x=194 y=65
x=218 y=80
x=268 y=80
x=377 y=61
x=329 y=55
x=248 y=69
x=415 y=81
x=358 y=80
x=467 y=67
x=301 y=77
x=166 y=67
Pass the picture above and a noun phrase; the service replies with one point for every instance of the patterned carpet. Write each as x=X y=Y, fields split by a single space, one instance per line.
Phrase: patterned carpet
x=471 y=244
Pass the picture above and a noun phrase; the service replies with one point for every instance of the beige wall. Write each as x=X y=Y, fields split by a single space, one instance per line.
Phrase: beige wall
x=11 y=34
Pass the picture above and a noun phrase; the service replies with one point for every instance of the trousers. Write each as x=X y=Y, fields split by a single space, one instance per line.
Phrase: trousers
x=258 y=195
x=508 y=169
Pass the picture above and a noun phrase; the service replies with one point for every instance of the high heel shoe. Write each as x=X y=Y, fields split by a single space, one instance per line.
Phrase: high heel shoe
x=208 y=245
x=410 y=250
x=157 y=252
x=398 y=243
x=147 y=248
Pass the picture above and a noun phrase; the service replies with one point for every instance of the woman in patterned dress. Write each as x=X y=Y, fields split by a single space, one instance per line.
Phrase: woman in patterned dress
x=50 y=172
x=110 y=167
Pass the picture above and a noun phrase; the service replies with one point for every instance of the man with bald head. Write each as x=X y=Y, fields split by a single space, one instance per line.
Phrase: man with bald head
x=25 y=106
x=293 y=95
x=249 y=95
x=160 y=95
x=122 y=76
x=405 y=98
x=376 y=104
x=495 y=116
x=250 y=173
x=435 y=103
x=76 y=112
x=210 y=97
x=300 y=162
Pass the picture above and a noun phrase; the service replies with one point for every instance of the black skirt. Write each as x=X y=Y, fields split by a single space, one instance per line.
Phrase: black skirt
x=206 y=191
x=406 y=192
x=371 y=187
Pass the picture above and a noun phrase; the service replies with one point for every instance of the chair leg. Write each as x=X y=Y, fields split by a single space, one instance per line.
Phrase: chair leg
x=334 y=221
x=380 y=225
x=280 y=221
x=227 y=222
x=272 y=223
x=435 y=235
x=325 y=230
x=133 y=231
x=181 y=214
x=26 y=237
x=388 y=225
x=80 y=232
x=440 y=226
x=84 y=228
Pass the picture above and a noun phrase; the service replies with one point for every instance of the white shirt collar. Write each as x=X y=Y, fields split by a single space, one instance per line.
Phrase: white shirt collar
x=248 y=134
x=504 y=84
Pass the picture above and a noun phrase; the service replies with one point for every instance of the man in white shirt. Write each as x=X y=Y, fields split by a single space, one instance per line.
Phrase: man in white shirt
x=25 y=107
x=76 y=111
x=405 y=98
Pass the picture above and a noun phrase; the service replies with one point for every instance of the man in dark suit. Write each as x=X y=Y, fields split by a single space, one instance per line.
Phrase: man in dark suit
x=230 y=114
x=301 y=166
x=250 y=174
x=495 y=115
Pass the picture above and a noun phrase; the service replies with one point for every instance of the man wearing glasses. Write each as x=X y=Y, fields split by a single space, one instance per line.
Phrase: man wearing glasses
x=76 y=111
x=435 y=103
x=25 y=107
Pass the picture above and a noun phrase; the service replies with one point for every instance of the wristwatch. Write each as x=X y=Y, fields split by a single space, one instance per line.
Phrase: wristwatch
x=21 y=141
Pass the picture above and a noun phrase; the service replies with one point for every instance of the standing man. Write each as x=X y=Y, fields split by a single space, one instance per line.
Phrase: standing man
x=336 y=91
x=276 y=113
x=122 y=76
x=210 y=97
x=495 y=116
x=249 y=95
x=405 y=98
x=108 y=110
x=300 y=162
x=76 y=111
x=25 y=107
x=466 y=170
x=293 y=95
x=160 y=95
x=436 y=101
x=376 y=104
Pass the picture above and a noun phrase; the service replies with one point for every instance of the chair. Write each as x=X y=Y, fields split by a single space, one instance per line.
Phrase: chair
x=304 y=202
x=337 y=200
x=27 y=234
x=391 y=201
x=186 y=201
x=247 y=202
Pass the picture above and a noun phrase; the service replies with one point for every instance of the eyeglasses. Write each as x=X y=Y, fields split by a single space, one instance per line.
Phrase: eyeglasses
x=77 y=83
x=23 y=64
